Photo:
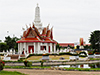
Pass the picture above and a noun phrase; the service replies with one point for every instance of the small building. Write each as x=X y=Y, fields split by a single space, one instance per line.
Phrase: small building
x=66 y=44
x=37 y=39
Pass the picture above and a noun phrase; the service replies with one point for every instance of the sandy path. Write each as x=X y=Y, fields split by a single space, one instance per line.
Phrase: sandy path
x=53 y=72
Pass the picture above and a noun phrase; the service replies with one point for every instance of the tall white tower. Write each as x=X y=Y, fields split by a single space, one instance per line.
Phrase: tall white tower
x=37 y=21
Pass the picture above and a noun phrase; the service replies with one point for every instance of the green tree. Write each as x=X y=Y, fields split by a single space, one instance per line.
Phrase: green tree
x=14 y=39
x=71 y=47
x=11 y=42
x=77 y=46
x=3 y=46
x=58 y=46
x=95 y=40
x=87 y=47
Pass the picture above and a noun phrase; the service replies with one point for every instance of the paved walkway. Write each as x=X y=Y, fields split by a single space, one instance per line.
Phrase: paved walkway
x=53 y=72
x=54 y=63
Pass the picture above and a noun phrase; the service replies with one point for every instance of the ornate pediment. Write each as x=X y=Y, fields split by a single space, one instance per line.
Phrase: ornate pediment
x=31 y=34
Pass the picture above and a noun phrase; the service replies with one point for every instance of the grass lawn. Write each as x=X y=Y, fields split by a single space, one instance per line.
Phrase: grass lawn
x=57 y=57
x=11 y=73
x=52 y=57
x=34 y=58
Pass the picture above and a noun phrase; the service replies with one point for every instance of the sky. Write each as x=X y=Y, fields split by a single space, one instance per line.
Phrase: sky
x=71 y=19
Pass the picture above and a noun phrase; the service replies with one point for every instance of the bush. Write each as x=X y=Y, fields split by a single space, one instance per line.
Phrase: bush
x=68 y=53
x=53 y=54
x=27 y=63
x=41 y=63
x=92 y=65
x=97 y=52
x=82 y=55
x=45 y=54
x=2 y=64
x=21 y=59
x=90 y=53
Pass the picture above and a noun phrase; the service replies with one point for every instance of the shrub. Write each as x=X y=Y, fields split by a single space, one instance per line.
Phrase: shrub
x=90 y=52
x=54 y=54
x=45 y=54
x=27 y=63
x=82 y=55
x=21 y=59
x=2 y=64
x=92 y=65
x=41 y=63
x=68 y=53
x=97 y=52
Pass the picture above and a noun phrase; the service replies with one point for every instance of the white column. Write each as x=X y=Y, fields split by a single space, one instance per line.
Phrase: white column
x=37 y=51
x=25 y=47
x=18 y=48
x=34 y=46
x=50 y=48
x=39 y=48
x=21 y=48
x=47 y=50
x=54 y=48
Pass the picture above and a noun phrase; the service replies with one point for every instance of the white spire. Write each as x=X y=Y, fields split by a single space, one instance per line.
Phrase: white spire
x=37 y=4
x=37 y=21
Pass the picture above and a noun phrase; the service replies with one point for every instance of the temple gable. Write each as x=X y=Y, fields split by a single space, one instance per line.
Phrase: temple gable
x=31 y=34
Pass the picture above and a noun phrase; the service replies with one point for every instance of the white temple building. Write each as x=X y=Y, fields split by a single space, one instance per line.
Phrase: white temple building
x=37 y=39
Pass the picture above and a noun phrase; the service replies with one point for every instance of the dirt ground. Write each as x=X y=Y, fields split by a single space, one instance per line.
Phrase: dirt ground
x=53 y=72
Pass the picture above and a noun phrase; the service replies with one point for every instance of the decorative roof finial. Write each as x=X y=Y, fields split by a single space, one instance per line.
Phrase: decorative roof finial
x=48 y=27
x=23 y=28
x=48 y=24
x=30 y=25
x=37 y=4
x=33 y=25
x=26 y=26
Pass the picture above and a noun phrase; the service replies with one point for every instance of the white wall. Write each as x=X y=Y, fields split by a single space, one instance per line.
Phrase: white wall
x=37 y=46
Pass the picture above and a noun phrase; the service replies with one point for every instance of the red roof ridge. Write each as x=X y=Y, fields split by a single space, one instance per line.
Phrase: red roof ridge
x=44 y=31
x=48 y=33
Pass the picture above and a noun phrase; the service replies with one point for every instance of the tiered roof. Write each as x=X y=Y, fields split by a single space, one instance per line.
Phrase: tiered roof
x=32 y=35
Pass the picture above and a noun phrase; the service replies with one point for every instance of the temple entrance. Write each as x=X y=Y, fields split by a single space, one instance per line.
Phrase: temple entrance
x=31 y=49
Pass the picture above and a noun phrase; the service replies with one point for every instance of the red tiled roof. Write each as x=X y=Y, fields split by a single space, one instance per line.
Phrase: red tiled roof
x=87 y=44
x=29 y=40
x=32 y=35
x=66 y=44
